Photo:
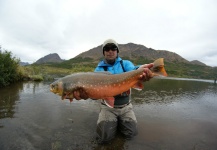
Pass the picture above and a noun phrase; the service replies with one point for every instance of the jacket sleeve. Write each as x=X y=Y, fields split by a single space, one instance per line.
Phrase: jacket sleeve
x=129 y=66
x=97 y=69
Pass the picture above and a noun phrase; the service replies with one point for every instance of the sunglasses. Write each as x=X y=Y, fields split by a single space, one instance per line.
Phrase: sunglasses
x=108 y=48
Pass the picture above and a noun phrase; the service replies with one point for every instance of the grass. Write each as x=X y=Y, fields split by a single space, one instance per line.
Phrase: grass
x=53 y=70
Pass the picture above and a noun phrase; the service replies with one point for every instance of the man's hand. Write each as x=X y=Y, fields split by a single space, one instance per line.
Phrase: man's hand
x=147 y=75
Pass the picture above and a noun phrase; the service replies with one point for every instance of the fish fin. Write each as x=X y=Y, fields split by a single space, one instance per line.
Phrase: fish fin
x=63 y=96
x=109 y=101
x=67 y=96
x=138 y=86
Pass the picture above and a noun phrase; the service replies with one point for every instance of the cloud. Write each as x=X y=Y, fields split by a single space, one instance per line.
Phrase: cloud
x=69 y=27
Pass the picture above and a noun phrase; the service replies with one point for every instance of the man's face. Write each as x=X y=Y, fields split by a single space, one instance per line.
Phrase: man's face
x=110 y=52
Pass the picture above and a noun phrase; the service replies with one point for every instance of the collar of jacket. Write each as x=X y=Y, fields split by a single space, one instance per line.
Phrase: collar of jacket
x=102 y=63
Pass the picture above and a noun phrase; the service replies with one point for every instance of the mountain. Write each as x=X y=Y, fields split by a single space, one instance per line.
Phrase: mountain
x=176 y=65
x=135 y=51
x=129 y=51
x=196 y=62
x=24 y=64
x=53 y=58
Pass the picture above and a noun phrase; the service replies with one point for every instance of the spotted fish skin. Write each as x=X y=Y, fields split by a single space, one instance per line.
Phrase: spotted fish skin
x=97 y=85
x=101 y=85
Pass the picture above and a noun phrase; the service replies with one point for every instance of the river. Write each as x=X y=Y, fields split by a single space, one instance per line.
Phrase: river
x=172 y=114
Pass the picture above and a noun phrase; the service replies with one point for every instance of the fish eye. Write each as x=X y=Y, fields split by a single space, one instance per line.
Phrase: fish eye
x=52 y=86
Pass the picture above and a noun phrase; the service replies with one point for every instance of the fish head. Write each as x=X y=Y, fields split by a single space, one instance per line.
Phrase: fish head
x=158 y=68
x=57 y=87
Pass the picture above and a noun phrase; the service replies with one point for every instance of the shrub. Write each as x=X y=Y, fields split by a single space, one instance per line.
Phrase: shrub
x=8 y=68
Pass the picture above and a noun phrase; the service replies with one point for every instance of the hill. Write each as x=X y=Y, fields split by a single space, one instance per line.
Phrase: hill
x=24 y=63
x=51 y=58
x=127 y=51
x=196 y=62
x=175 y=65
x=135 y=51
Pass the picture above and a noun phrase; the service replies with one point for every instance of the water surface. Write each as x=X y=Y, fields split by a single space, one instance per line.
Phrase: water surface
x=171 y=114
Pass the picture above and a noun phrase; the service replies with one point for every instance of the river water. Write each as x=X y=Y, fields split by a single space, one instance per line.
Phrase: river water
x=172 y=114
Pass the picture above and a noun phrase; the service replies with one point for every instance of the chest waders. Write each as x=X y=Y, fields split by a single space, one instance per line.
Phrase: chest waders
x=120 y=118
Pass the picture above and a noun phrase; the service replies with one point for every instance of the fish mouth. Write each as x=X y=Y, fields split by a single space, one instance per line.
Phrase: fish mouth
x=55 y=92
x=54 y=89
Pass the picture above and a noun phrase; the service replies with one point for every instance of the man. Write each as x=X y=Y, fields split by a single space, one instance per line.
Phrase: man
x=121 y=117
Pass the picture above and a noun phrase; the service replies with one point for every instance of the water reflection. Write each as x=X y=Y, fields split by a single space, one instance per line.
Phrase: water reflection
x=168 y=112
x=8 y=99
x=164 y=91
x=32 y=87
x=11 y=95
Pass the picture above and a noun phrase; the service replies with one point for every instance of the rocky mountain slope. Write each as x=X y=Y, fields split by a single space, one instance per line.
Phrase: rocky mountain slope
x=135 y=51
x=127 y=51
x=196 y=62
x=49 y=58
x=24 y=64
x=176 y=65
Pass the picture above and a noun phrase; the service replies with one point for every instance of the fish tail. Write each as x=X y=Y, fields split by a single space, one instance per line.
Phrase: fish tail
x=160 y=71
x=158 y=68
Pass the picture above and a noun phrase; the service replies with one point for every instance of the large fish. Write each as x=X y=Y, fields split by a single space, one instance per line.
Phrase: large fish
x=103 y=85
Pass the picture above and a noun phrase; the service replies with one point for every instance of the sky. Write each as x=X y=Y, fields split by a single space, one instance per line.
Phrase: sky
x=31 y=29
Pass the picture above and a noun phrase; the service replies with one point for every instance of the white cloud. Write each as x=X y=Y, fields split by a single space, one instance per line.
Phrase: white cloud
x=69 y=27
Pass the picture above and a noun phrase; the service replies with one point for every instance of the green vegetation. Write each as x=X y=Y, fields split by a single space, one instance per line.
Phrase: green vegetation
x=174 y=69
x=183 y=70
x=74 y=63
x=10 y=71
x=9 y=68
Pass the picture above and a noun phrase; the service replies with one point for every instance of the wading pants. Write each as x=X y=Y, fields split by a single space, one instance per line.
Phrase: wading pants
x=112 y=120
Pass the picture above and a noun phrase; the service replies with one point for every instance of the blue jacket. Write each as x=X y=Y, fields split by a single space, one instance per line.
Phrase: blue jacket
x=116 y=68
x=124 y=98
